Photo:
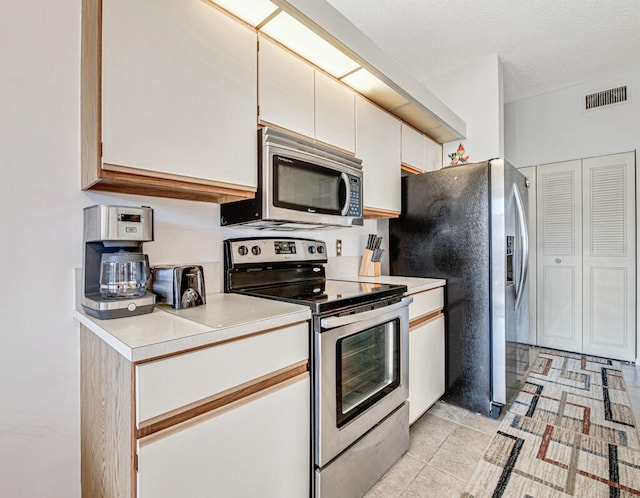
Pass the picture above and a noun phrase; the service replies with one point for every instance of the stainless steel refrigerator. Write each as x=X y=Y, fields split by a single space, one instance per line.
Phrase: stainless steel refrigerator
x=468 y=225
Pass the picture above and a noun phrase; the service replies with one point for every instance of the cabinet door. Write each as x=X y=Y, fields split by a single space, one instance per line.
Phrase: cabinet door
x=378 y=145
x=178 y=91
x=412 y=153
x=285 y=89
x=335 y=121
x=257 y=447
x=609 y=256
x=426 y=366
x=432 y=155
x=559 y=250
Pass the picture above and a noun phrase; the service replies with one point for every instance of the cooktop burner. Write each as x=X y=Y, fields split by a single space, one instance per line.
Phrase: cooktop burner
x=329 y=295
x=292 y=269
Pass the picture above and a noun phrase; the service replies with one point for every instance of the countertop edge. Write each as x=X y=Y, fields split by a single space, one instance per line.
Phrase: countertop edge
x=414 y=284
x=112 y=341
x=201 y=336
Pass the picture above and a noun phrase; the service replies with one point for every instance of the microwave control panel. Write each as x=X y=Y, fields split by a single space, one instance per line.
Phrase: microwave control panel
x=355 y=200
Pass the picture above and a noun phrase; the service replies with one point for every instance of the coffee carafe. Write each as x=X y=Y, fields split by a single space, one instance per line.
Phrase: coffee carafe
x=116 y=271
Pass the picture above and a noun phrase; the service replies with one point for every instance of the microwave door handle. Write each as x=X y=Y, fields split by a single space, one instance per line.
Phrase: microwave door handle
x=344 y=181
x=341 y=321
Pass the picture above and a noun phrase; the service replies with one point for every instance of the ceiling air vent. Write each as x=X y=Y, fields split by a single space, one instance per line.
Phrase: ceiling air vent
x=606 y=97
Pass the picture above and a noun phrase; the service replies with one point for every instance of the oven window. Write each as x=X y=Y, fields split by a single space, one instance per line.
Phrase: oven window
x=368 y=368
x=301 y=185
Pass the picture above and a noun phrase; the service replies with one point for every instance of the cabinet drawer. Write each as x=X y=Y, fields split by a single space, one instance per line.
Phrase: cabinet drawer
x=426 y=302
x=170 y=383
x=260 y=449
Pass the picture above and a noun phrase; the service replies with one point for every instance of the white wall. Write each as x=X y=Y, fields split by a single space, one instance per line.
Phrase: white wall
x=474 y=91
x=554 y=127
x=40 y=246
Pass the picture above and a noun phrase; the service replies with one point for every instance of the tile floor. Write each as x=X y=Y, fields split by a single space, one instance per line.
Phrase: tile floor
x=446 y=444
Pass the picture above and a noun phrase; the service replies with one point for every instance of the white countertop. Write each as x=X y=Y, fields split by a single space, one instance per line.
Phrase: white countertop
x=167 y=331
x=414 y=284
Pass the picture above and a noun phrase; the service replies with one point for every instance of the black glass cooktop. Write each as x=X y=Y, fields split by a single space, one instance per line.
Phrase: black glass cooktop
x=329 y=295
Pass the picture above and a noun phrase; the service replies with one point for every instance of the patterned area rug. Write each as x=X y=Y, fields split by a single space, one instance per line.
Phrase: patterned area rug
x=569 y=432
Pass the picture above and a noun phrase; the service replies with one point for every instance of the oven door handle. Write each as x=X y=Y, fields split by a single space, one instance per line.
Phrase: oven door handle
x=340 y=321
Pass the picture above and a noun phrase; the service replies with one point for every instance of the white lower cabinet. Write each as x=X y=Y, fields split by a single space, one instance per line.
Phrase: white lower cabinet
x=231 y=419
x=426 y=366
x=426 y=351
x=260 y=447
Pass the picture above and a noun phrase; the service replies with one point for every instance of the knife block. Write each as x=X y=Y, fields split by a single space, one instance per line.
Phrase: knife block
x=369 y=268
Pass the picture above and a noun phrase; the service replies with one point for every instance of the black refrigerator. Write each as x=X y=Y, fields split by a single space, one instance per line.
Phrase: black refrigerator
x=468 y=224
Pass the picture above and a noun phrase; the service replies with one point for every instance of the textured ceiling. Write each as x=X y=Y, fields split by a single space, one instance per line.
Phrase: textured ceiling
x=544 y=44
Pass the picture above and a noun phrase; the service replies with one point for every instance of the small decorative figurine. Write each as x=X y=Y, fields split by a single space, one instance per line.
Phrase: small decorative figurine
x=458 y=157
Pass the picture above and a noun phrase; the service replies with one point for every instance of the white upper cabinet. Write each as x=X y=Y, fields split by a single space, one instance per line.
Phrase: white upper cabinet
x=432 y=154
x=335 y=109
x=378 y=144
x=419 y=151
x=285 y=89
x=178 y=92
x=296 y=96
x=412 y=148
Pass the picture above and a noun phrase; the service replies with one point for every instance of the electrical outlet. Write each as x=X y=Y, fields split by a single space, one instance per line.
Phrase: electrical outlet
x=338 y=247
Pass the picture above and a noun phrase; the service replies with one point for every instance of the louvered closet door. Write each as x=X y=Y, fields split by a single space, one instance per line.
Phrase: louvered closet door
x=559 y=251
x=609 y=256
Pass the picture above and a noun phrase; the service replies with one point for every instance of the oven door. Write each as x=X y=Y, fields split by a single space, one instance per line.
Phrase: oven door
x=361 y=375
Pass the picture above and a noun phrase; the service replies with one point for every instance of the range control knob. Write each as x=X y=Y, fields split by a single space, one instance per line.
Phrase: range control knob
x=243 y=251
x=321 y=249
x=312 y=249
x=255 y=250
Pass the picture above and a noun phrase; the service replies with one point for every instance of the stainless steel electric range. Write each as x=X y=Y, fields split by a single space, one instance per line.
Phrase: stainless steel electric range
x=359 y=357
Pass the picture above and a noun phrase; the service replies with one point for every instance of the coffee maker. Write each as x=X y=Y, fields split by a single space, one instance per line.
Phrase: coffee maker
x=115 y=270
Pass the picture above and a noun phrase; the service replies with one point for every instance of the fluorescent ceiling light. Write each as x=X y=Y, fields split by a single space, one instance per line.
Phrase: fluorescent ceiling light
x=300 y=39
x=250 y=11
x=367 y=84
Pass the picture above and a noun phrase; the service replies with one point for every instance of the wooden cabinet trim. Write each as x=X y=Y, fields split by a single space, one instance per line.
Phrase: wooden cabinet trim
x=242 y=393
x=371 y=213
x=107 y=420
x=122 y=183
x=420 y=320
x=112 y=171
x=114 y=178
x=410 y=169
x=91 y=91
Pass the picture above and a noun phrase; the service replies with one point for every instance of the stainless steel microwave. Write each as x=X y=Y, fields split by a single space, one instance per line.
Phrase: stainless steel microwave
x=302 y=185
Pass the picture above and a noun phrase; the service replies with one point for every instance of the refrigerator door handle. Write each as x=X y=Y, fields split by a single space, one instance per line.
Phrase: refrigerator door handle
x=525 y=246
